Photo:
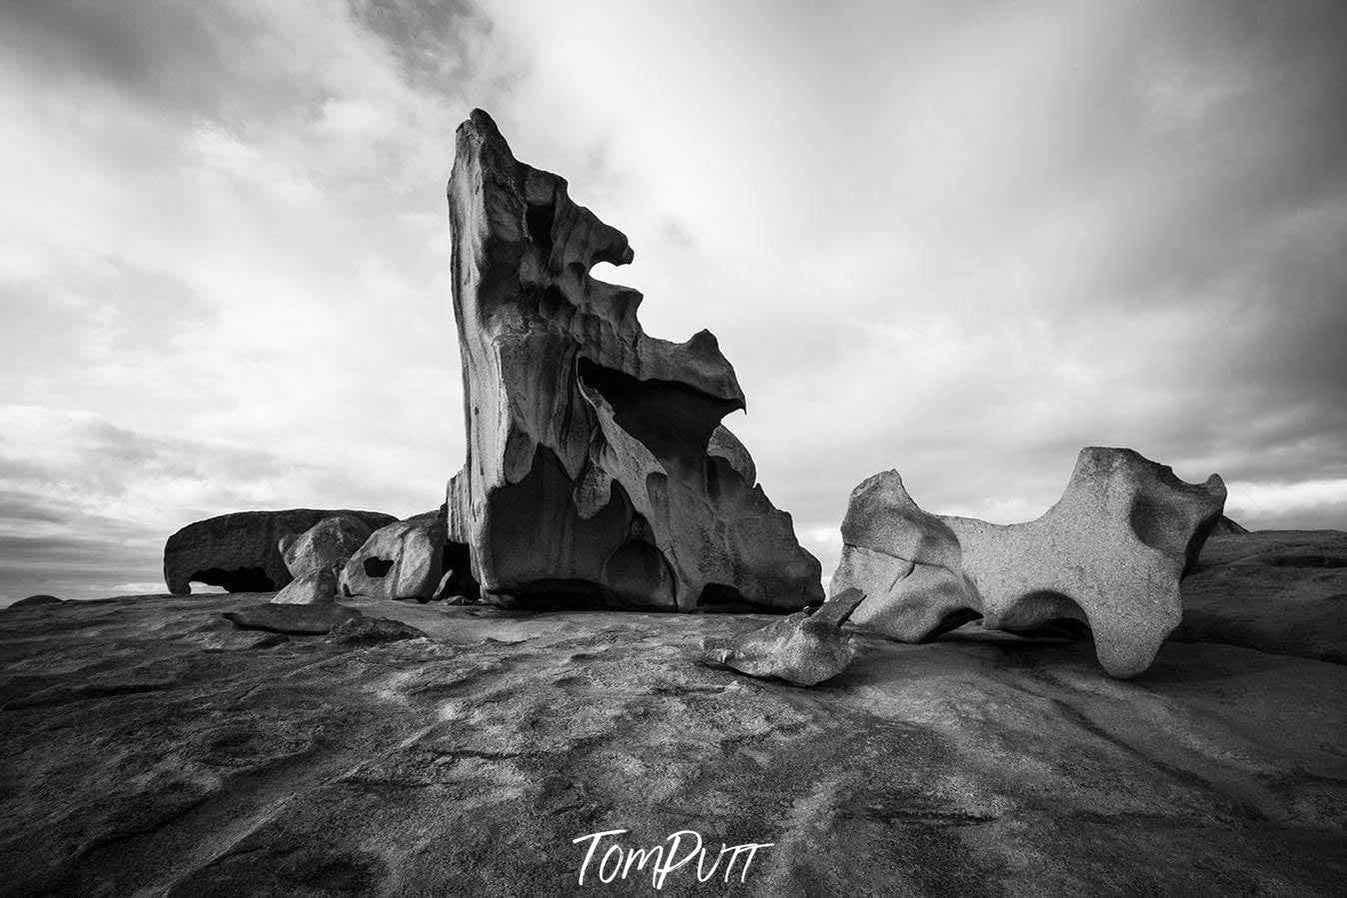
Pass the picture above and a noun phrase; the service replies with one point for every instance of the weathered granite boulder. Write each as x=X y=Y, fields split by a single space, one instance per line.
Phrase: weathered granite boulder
x=802 y=648
x=241 y=551
x=328 y=544
x=312 y=587
x=597 y=466
x=1110 y=553
x=404 y=560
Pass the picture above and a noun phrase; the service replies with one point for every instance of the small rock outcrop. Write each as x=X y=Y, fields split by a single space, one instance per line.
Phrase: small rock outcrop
x=1110 y=553
x=597 y=466
x=241 y=551
x=403 y=560
x=40 y=599
x=329 y=544
x=1226 y=527
x=1274 y=591
x=300 y=620
x=372 y=631
x=803 y=648
x=313 y=587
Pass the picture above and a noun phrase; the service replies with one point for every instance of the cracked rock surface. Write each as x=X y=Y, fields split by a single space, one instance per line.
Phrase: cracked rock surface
x=151 y=746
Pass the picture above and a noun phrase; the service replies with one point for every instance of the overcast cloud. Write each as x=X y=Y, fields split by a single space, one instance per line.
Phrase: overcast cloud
x=958 y=239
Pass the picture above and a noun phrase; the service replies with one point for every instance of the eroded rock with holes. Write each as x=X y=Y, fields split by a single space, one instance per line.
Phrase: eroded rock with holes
x=404 y=560
x=597 y=465
x=1110 y=553
x=241 y=551
x=801 y=648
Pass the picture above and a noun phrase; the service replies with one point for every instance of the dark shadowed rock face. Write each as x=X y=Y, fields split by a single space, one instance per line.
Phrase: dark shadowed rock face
x=150 y=747
x=597 y=466
x=241 y=551
x=1110 y=552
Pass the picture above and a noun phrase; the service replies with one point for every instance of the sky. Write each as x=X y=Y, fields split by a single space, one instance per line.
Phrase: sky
x=962 y=240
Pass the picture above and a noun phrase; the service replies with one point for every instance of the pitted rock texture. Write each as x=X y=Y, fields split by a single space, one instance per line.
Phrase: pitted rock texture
x=598 y=470
x=327 y=545
x=404 y=560
x=802 y=648
x=1110 y=553
x=241 y=551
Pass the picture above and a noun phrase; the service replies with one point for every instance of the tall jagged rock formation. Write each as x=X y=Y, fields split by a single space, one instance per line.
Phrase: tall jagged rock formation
x=597 y=466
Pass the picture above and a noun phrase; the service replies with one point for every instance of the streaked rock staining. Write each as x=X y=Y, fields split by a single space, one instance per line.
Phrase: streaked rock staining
x=241 y=551
x=597 y=468
x=1110 y=553
x=803 y=648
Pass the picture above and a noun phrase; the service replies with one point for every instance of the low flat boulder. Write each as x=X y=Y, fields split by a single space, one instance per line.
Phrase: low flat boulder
x=803 y=648
x=241 y=551
x=372 y=631
x=1226 y=527
x=313 y=587
x=41 y=599
x=303 y=620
